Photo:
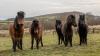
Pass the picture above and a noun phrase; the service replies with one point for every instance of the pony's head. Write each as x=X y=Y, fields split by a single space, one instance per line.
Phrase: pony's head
x=82 y=19
x=58 y=21
x=20 y=14
x=35 y=26
x=19 y=20
x=71 y=20
x=58 y=24
x=35 y=23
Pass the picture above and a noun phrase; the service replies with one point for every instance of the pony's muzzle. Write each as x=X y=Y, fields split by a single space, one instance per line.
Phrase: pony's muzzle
x=75 y=25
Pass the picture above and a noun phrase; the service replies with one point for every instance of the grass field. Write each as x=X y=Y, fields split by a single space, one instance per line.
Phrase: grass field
x=51 y=48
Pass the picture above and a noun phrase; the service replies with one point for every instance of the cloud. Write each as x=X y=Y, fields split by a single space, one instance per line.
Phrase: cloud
x=9 y=8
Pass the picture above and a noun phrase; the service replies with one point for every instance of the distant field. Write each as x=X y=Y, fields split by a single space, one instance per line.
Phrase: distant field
x=5 y=24
x=51 y=48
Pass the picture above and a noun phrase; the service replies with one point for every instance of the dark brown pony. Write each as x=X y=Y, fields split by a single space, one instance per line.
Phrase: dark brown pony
x=67 y=31
x=58 y=27
x=36 y=33
x=16 y=31
x=82 y=30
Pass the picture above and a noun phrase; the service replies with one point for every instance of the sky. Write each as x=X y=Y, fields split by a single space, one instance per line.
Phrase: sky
x=9 y=8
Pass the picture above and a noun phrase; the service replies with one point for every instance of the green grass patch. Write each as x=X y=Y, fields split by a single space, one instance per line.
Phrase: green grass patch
x=51 y=47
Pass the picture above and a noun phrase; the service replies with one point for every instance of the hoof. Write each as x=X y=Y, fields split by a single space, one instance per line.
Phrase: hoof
x=65 y=45
x=21 y=49
x=31 y=48
x=58 y=43
x=71 y=46
x=14 y=50
x=42 y=45
x=80 y=44
x=38 y=48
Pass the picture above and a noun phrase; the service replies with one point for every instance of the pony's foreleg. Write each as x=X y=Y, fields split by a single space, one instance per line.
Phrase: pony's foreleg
x=61 y=41
x=18 y=44
x=37 y=43
x=58 y=40
x=21 y=44
x=14 y=44
x=66 y=40
x=62 y=38
x=32 y=42
x=80 y=39
x=85 y=39
x=41 y=42
x=70 y=40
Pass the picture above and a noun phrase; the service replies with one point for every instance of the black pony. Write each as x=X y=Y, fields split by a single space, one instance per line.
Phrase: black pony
x=67 y=31
x=58 y=27
x=82 y=30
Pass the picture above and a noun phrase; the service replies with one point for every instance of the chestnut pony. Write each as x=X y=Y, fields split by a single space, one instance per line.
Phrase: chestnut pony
x=16 y=30
x=36 y=33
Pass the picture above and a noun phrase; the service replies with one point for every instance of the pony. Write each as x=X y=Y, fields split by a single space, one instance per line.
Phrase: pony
x=16 y=30
x=67 y=29
x=82 y=30
x=58 y=27
x=36 y=33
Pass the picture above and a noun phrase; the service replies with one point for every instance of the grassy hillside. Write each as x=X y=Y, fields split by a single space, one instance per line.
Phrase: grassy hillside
x=91 y=19
x=51 y=48
x=48 y=20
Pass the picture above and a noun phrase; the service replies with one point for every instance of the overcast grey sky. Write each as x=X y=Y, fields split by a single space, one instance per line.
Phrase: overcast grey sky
x=9 y=8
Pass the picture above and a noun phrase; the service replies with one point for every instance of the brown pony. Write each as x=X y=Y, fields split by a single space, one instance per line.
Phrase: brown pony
x=36 y=33
x=16 y=31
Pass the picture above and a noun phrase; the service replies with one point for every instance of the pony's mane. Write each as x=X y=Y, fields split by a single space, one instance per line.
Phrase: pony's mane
x=20 y=15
